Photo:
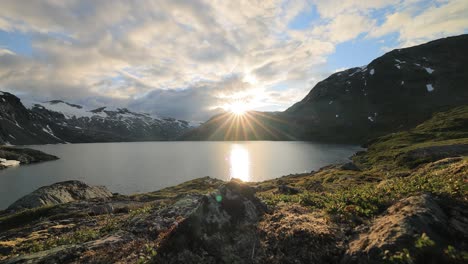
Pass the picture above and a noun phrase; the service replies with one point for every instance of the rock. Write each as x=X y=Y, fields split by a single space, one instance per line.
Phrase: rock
x=419 y=156
x=285 y=189
x=102 y=209
x=62 y=192
x=61 y=254
x=294 y=234
x=221 y=229
x=350 y=166
x=17 y=156
x=404 y=222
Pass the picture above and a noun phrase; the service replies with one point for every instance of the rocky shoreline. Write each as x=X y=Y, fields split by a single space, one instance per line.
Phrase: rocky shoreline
x=12 y=156
x=398 y=202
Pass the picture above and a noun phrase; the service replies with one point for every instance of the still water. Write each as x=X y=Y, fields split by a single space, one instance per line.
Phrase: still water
x=148 y=166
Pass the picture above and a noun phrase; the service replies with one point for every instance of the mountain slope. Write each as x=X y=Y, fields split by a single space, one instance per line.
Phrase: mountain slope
x=250 y=126
x=394 y=92
x=61 y=122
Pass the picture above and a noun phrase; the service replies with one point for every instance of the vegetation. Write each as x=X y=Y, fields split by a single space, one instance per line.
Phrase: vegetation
x=372 y=198
x=385 y=153
x=348 y=196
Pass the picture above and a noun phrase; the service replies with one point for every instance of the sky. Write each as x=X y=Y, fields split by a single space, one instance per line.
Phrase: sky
x=192 y=59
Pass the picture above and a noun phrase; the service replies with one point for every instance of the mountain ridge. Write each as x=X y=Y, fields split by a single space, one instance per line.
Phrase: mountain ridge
x=57 y=121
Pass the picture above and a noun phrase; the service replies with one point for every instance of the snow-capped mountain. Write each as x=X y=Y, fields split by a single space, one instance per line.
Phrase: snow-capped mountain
x=58 y=121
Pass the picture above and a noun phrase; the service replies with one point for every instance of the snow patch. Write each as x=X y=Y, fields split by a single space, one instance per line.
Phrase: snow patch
x=372 y=71
x=337 y=116
x=9 y=163
x=370 y=118
x=429 y=87
x=50 y=132
x=429 y=70
x=331 y=102
x=67 y=110
x=398 y=66
x=402 y=82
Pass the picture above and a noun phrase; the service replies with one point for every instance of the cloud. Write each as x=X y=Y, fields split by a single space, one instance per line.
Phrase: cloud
x=188 y=58
x=440 y=19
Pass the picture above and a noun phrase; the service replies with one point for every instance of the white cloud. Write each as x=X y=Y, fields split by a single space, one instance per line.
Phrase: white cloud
x=442 y=18
x=141 y=52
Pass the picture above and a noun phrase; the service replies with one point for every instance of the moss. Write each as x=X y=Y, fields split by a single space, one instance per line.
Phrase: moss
x=446 y=128
x=369 y=199
x=24 y=217
x=203 y=185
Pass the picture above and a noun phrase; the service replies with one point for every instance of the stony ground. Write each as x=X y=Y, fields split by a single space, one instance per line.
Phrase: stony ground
x=398 y=202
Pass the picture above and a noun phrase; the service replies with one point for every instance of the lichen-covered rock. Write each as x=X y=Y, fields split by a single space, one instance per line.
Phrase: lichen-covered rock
x=221 y=229
x=295 y=234
x=58 y=193
x=419 y=156
x=285 y=189
x=350 y=166
x=406 y=221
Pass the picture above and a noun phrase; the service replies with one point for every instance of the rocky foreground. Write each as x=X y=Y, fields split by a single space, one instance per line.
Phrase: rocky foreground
x=404 y=200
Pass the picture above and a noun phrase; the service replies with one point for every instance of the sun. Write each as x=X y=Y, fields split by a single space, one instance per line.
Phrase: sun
x=238 y=108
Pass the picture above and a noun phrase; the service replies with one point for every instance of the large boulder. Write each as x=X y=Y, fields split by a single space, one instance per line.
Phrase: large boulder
x=58 y=193
x=220 y=229
x=422 y=217
x=419 y=156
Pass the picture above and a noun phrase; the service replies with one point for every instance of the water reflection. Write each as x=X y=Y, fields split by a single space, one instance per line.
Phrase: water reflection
x=239 y=162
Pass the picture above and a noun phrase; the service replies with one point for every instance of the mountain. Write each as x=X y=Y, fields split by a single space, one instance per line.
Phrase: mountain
x=394 y=92
x=58 y=121
x=252 y=125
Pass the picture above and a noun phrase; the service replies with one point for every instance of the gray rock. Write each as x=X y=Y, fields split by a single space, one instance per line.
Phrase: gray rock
x=419 y=156
x=406 y=221
x=350 y=166
x=222 y=229
x=285 y=189
x=24 y=155
x=62 y=192
x=102 y=209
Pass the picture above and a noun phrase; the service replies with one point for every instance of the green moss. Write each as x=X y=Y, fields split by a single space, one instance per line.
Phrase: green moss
x=369 y=199
x=24 y=217
x=444 y=128
x=203 y=185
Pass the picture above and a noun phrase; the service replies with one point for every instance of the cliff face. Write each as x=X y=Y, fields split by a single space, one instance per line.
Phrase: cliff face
x=61 y=122
x=392 y=93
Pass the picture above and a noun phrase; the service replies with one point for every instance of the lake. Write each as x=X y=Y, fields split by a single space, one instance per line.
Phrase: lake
x=148 y=166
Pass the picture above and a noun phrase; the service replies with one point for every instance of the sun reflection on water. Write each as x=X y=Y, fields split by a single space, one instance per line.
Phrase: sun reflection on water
x=239 y=163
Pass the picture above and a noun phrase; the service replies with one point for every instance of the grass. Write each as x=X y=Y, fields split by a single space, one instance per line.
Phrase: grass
x=369 y=199
x=444 y=128
x=384 y=178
